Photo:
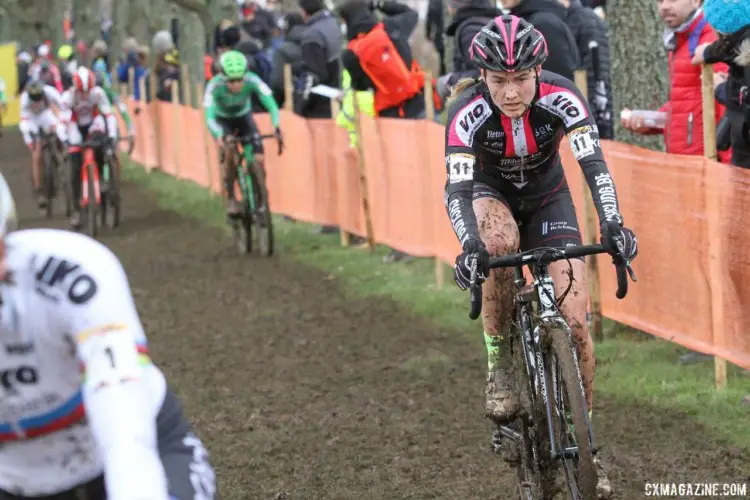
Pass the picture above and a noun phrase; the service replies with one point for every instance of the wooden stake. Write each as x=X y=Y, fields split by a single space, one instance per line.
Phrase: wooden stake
x=590 y=237
x=361 y=163
x=345 y=237
x=429 y=107
x=176 y=126
x=715 y=241
x=289 y=88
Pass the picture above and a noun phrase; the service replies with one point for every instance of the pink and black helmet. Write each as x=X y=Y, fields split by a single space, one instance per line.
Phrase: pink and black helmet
x=508 y=43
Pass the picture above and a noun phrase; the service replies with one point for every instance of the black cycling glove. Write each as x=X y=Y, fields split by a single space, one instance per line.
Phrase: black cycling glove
x=619 y=240
x=472 y=250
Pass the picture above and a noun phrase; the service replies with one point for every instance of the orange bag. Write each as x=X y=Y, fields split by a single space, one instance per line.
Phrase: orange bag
x=394 y=82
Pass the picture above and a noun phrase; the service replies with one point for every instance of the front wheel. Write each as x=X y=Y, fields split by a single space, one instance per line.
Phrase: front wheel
x=91 y=207
x=262 y=213
x=571 y=424
x=48 y=177
x=113 y=193
x=242 y=226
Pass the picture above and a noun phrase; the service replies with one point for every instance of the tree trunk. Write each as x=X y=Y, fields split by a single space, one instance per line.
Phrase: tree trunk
x=639 y=63
x=87 y=20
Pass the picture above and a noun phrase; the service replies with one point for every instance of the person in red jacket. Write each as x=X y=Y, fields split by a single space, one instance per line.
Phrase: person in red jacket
x=686 y=29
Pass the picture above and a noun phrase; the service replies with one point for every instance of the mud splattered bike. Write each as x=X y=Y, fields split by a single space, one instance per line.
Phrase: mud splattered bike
x=553 y=427
x=253 y=197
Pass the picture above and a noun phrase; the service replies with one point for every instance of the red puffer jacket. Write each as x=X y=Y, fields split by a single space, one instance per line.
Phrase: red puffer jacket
x=684 y=132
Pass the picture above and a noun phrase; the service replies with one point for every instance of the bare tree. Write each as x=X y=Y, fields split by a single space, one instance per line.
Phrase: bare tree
x=639 y=62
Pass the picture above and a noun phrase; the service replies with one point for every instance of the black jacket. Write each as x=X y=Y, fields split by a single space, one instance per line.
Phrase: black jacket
x=734 y=50
x=399 y=23
x=434 y=26
x=290 y=53
x=321 y=56
x=548 y=17
x=260 y=27
x=467 y=22
x=587 y=27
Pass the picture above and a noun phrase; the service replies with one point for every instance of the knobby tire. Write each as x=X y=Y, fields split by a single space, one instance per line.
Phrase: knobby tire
x=561 y=349
x=91 y=207
x=113 y=194
x=262 y=214
x=242 y=230
x=48 y=181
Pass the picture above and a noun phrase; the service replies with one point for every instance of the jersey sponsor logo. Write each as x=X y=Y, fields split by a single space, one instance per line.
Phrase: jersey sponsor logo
x=495 y=134
x=607 y=197
x=13 y=377
x=460 y=167
x=454 y=212
x=470 y=118
x=19 y=349
x=565 y=105
x=543 y=131
x=57 y=273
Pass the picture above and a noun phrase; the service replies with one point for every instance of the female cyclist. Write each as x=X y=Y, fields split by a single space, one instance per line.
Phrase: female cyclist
x=506 y=188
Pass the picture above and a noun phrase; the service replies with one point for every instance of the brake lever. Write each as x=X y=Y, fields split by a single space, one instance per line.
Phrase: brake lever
x=631 y=273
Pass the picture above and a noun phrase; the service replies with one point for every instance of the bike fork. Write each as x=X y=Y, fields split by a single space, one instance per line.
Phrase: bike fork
x=85 y=198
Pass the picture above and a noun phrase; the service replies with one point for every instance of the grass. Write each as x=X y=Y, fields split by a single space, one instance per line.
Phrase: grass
x=631 y=366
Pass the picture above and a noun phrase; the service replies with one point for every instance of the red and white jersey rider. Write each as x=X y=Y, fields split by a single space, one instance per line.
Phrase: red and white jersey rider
x=87 y=108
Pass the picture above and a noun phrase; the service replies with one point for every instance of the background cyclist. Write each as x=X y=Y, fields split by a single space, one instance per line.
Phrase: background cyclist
x=228 y=108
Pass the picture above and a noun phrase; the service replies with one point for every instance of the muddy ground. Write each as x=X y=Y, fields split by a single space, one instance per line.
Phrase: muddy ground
x=301 y=392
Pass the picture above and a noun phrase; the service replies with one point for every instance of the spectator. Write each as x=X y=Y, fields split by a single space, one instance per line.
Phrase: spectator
x=587 y=27
x=135 y=59
x=548 y=17
x=23 y=65
x=290 y=52
x=67 y=65
x=732 y=19
x=379 y=57
x=257 y=22
x=469 y=17
x=434 y=27
x=321 y=56
x=398 y=82
x=167 y=67
x=685 y=30
x=100 y=59
x=43 y=69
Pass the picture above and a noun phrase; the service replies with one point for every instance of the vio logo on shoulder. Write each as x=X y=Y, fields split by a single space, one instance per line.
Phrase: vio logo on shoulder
x=471 y=117
x=13 y=377
x=59 y=277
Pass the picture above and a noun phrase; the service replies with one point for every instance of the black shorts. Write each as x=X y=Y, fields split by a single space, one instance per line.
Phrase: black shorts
x=544 y=220
x=243 y=126
x=185 y=461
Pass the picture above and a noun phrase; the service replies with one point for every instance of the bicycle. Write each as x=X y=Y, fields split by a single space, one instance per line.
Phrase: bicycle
x=545 y=360
x=53 y=174
x=95 y=200
x=254 y=198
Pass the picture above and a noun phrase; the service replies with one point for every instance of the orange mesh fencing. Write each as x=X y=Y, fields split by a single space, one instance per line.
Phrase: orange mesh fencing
x=663 y=199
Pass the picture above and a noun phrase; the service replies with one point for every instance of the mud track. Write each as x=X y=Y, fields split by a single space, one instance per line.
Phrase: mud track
x=301 y=392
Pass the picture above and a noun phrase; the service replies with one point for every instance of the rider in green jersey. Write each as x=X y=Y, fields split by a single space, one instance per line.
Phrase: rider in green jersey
x=227 y=103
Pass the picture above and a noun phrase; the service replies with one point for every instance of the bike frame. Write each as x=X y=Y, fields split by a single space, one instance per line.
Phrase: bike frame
x=532 y=339
x=89 y=159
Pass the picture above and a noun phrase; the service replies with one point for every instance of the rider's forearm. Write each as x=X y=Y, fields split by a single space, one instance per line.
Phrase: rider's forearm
x=126 y=435
x=584 y=142
x=213 y=125
x=461 y=211
x=603 y=191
